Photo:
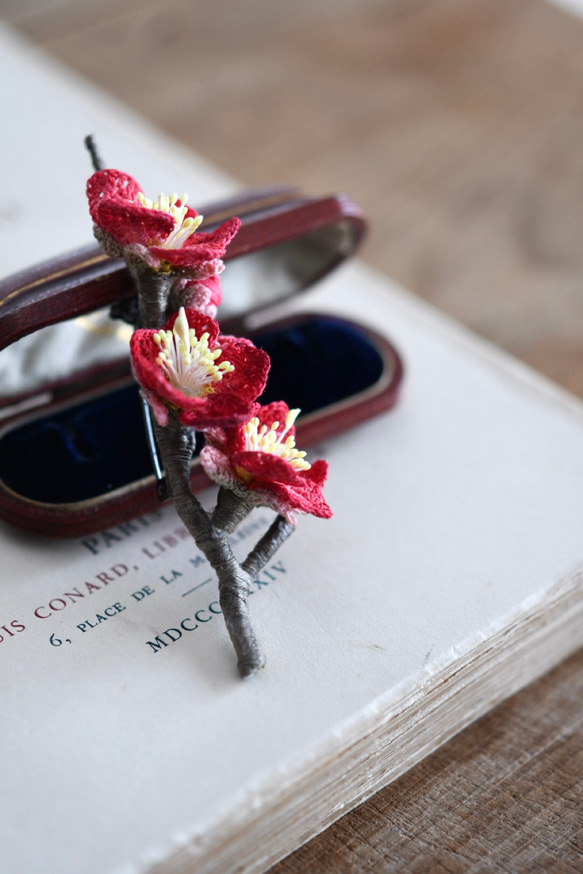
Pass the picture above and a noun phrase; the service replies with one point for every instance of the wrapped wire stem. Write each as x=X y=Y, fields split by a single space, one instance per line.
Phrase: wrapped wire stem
x=176 y=445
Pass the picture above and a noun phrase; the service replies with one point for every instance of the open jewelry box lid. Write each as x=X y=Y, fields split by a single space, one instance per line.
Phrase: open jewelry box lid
x=337 y=372
x=298 y=239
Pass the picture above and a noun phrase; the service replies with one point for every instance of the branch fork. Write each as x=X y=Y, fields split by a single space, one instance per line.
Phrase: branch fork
x=211 y=535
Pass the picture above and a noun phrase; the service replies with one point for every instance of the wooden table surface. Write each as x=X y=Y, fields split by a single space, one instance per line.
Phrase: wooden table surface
x=458 y=125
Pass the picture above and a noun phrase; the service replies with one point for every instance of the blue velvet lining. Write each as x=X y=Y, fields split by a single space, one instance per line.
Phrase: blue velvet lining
x=99 y=445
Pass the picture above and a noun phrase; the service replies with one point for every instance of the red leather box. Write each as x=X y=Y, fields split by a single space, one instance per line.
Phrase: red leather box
x=73 y=451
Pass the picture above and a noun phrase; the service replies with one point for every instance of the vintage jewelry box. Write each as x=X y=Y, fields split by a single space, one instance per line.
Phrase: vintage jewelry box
x=74 y=454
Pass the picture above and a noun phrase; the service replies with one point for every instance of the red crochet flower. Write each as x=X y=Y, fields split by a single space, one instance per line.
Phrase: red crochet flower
x=161 y=233
x=213 y=380
x=261 y=457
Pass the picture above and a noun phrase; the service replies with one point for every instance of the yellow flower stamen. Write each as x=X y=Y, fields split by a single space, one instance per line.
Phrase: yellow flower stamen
x=264 y=439
x=184 y=228
x=187 y=361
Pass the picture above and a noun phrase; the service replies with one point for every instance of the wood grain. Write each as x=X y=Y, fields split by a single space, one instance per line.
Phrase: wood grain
x=457 y=125
x=505 y=795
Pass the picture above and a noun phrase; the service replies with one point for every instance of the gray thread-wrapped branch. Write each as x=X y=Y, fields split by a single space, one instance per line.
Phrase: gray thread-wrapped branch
x=267 y=546
x=230 y=510
x=176 y=444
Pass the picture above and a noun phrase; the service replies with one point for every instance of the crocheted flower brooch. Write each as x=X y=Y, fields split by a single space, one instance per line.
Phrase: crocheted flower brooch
x=194 y=379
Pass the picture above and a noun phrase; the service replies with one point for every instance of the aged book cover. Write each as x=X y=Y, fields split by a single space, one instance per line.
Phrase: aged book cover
x=449 y=577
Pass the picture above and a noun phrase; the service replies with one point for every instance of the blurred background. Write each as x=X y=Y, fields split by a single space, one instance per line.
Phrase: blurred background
x=457 y=125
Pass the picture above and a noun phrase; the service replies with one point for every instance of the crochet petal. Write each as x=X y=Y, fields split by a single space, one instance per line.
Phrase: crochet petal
x=266 y=467
x=307 y=498
x=223 y=409
x=318 y=473
x=276 y=411
x=251 y=366
x=201 y=246
x=111 y=184
x=203 y=295
x=279 y=505
x=158 y=407
x=130 y=223
x=221 y=237
x=201 y=324
x=216 y=466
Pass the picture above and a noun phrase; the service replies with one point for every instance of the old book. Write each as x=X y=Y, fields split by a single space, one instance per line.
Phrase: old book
x=449 y=577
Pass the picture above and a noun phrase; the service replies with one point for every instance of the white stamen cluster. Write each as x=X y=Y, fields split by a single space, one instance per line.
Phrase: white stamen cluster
x=185 y=227
x=265 y=439
x=187 y=361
